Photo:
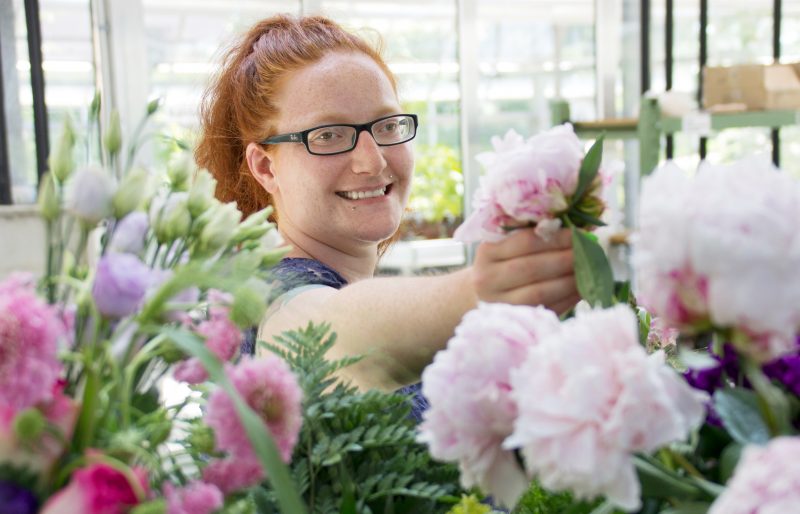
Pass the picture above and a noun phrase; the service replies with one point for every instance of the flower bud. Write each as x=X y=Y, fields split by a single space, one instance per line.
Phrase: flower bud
x=248 y=307
x=169 y=217
x=133 y=189
x=112 y=139
x=201 y=193
x=179 y=169
x=222 y=223
x=29 y=424
x=60 y=161
x=201 y=437
x=88 y=195
x=152 y=106
x=48 y=200
x=94 y=107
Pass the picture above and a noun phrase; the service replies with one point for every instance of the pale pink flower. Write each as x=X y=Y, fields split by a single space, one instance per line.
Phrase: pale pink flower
x=589 y=397
x=766 y=480
x=660 y=334
x=60 y=412
x=223 y=338
x=99 y=489
x=527 y=182
x=194 y=498
x=270 y=388
x=30 y=331
x=467 y=385
x=233 y=474
x=722 y=248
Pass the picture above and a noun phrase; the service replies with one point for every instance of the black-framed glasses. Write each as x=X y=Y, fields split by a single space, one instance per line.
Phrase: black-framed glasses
x=342 y=137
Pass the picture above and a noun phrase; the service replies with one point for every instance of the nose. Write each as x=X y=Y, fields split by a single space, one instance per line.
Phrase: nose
x=367 y=155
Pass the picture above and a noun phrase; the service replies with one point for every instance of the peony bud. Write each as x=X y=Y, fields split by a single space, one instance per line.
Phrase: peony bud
x=201 y=193
x=222 y=223
x=60 y=161
x=88 y=195
x=112 y=139
x=48 y=200
x=133 y=189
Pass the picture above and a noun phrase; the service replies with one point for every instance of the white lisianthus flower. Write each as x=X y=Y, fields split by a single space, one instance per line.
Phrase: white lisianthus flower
x=88 y=195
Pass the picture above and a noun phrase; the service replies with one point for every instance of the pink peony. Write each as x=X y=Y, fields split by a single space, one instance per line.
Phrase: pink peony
x=270 y=388
x=766 y=480
x=589 y=397
x=231 y=475
x=527 y=182
x=99 y=489
x=30 y=331
x=195 y=498
x=39 y=455
x=223 y=338
x=722 y=249
x=471 y=410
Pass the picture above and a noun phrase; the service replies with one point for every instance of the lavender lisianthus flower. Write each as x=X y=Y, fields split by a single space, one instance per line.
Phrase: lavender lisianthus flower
x=130 y=233
x=120 y=284
x=17 y=500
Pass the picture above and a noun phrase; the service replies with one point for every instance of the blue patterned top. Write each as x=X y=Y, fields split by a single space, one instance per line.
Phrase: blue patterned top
x=294 y=272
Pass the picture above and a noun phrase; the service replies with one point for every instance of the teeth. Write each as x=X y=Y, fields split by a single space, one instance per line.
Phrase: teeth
x=360 y=195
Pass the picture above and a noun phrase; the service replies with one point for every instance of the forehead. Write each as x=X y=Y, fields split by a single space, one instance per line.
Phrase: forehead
x=341 y=87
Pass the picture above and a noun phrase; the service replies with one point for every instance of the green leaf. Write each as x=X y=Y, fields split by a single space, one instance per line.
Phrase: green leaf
x=658 y=482
x=738 y=409
x=580 y=218
x=593 y=273
x=589 y=169
x=728 y=460
x=689 y=508
x=263 y=444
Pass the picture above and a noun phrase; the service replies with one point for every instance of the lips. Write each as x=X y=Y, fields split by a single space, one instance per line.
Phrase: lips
x=366 y=193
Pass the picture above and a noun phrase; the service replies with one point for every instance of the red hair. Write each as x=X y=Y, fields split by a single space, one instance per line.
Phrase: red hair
x=238 y=106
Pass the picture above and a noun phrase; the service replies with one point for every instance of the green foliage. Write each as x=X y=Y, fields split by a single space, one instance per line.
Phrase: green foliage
x=357 y=450
x=538 y=500
x=470 y=505
x=438 y=189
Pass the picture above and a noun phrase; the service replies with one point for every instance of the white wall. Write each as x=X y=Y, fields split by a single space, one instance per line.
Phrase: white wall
x=22 y=240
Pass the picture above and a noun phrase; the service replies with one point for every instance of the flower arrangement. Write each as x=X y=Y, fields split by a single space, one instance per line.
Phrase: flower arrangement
x=150 y=284
x=680 y=396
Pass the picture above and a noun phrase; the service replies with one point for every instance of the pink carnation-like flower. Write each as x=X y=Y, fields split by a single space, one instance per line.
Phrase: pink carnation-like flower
x=766 y=480
x=467 y=385
x=270 y=388
x=233 y=474
x=195 y=498
x=589 y=397
x=526 y=182
x=30 y=331
x=223 y=338
x=722 y=248
x=60 y=412
x=99 y=489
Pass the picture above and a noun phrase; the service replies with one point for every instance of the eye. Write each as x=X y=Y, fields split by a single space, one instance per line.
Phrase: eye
x=327 y=135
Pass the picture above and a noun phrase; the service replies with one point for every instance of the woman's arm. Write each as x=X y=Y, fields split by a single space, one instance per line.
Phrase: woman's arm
x=399 y=323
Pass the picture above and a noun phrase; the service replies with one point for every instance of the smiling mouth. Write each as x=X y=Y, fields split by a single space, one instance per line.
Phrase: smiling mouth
x=362 y=195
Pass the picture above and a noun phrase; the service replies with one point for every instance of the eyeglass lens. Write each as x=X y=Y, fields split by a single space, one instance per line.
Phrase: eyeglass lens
x=338 y=138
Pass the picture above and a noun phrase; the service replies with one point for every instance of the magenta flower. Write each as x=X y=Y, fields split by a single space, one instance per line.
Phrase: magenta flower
x=468 y=387
x=195 y=498
x=527 y=182
x=120 y=284
x=223 y=338
x=766 y=480
x=233 y=474
x=270 y=388
x=30 y=331
x=589 y=397
x=99 y=489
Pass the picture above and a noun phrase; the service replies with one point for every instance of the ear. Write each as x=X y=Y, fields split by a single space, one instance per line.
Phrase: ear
x=260 y=163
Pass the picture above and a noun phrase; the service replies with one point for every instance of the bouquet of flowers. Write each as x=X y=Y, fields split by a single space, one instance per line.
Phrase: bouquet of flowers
x=684 y=398
x=150 y=284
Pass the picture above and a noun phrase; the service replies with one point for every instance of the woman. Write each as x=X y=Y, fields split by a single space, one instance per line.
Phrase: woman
x=305 y=116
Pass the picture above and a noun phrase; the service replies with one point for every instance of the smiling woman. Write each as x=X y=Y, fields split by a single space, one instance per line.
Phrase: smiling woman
x=305 y=117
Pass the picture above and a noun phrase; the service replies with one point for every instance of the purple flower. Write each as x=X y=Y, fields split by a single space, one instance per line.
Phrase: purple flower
x=17 y=500
x=120 y=284
x=129 y=234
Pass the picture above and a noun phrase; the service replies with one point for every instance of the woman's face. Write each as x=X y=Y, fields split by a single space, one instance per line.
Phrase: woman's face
x=315 y=195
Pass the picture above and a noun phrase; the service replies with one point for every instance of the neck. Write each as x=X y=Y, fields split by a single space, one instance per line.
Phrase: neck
x=353 y=263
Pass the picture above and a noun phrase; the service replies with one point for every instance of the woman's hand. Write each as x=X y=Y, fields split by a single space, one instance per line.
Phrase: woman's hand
x=525 y=269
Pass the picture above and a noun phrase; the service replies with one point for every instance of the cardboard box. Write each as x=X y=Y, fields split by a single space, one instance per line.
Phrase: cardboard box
x=753 y=87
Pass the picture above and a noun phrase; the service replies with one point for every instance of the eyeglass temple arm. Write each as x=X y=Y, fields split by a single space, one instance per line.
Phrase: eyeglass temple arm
x=294 y=137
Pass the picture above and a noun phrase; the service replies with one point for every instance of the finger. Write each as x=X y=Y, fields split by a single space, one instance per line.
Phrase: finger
x=523 y=242
x=546 y=293
x=566 y=305
x=529 y=269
